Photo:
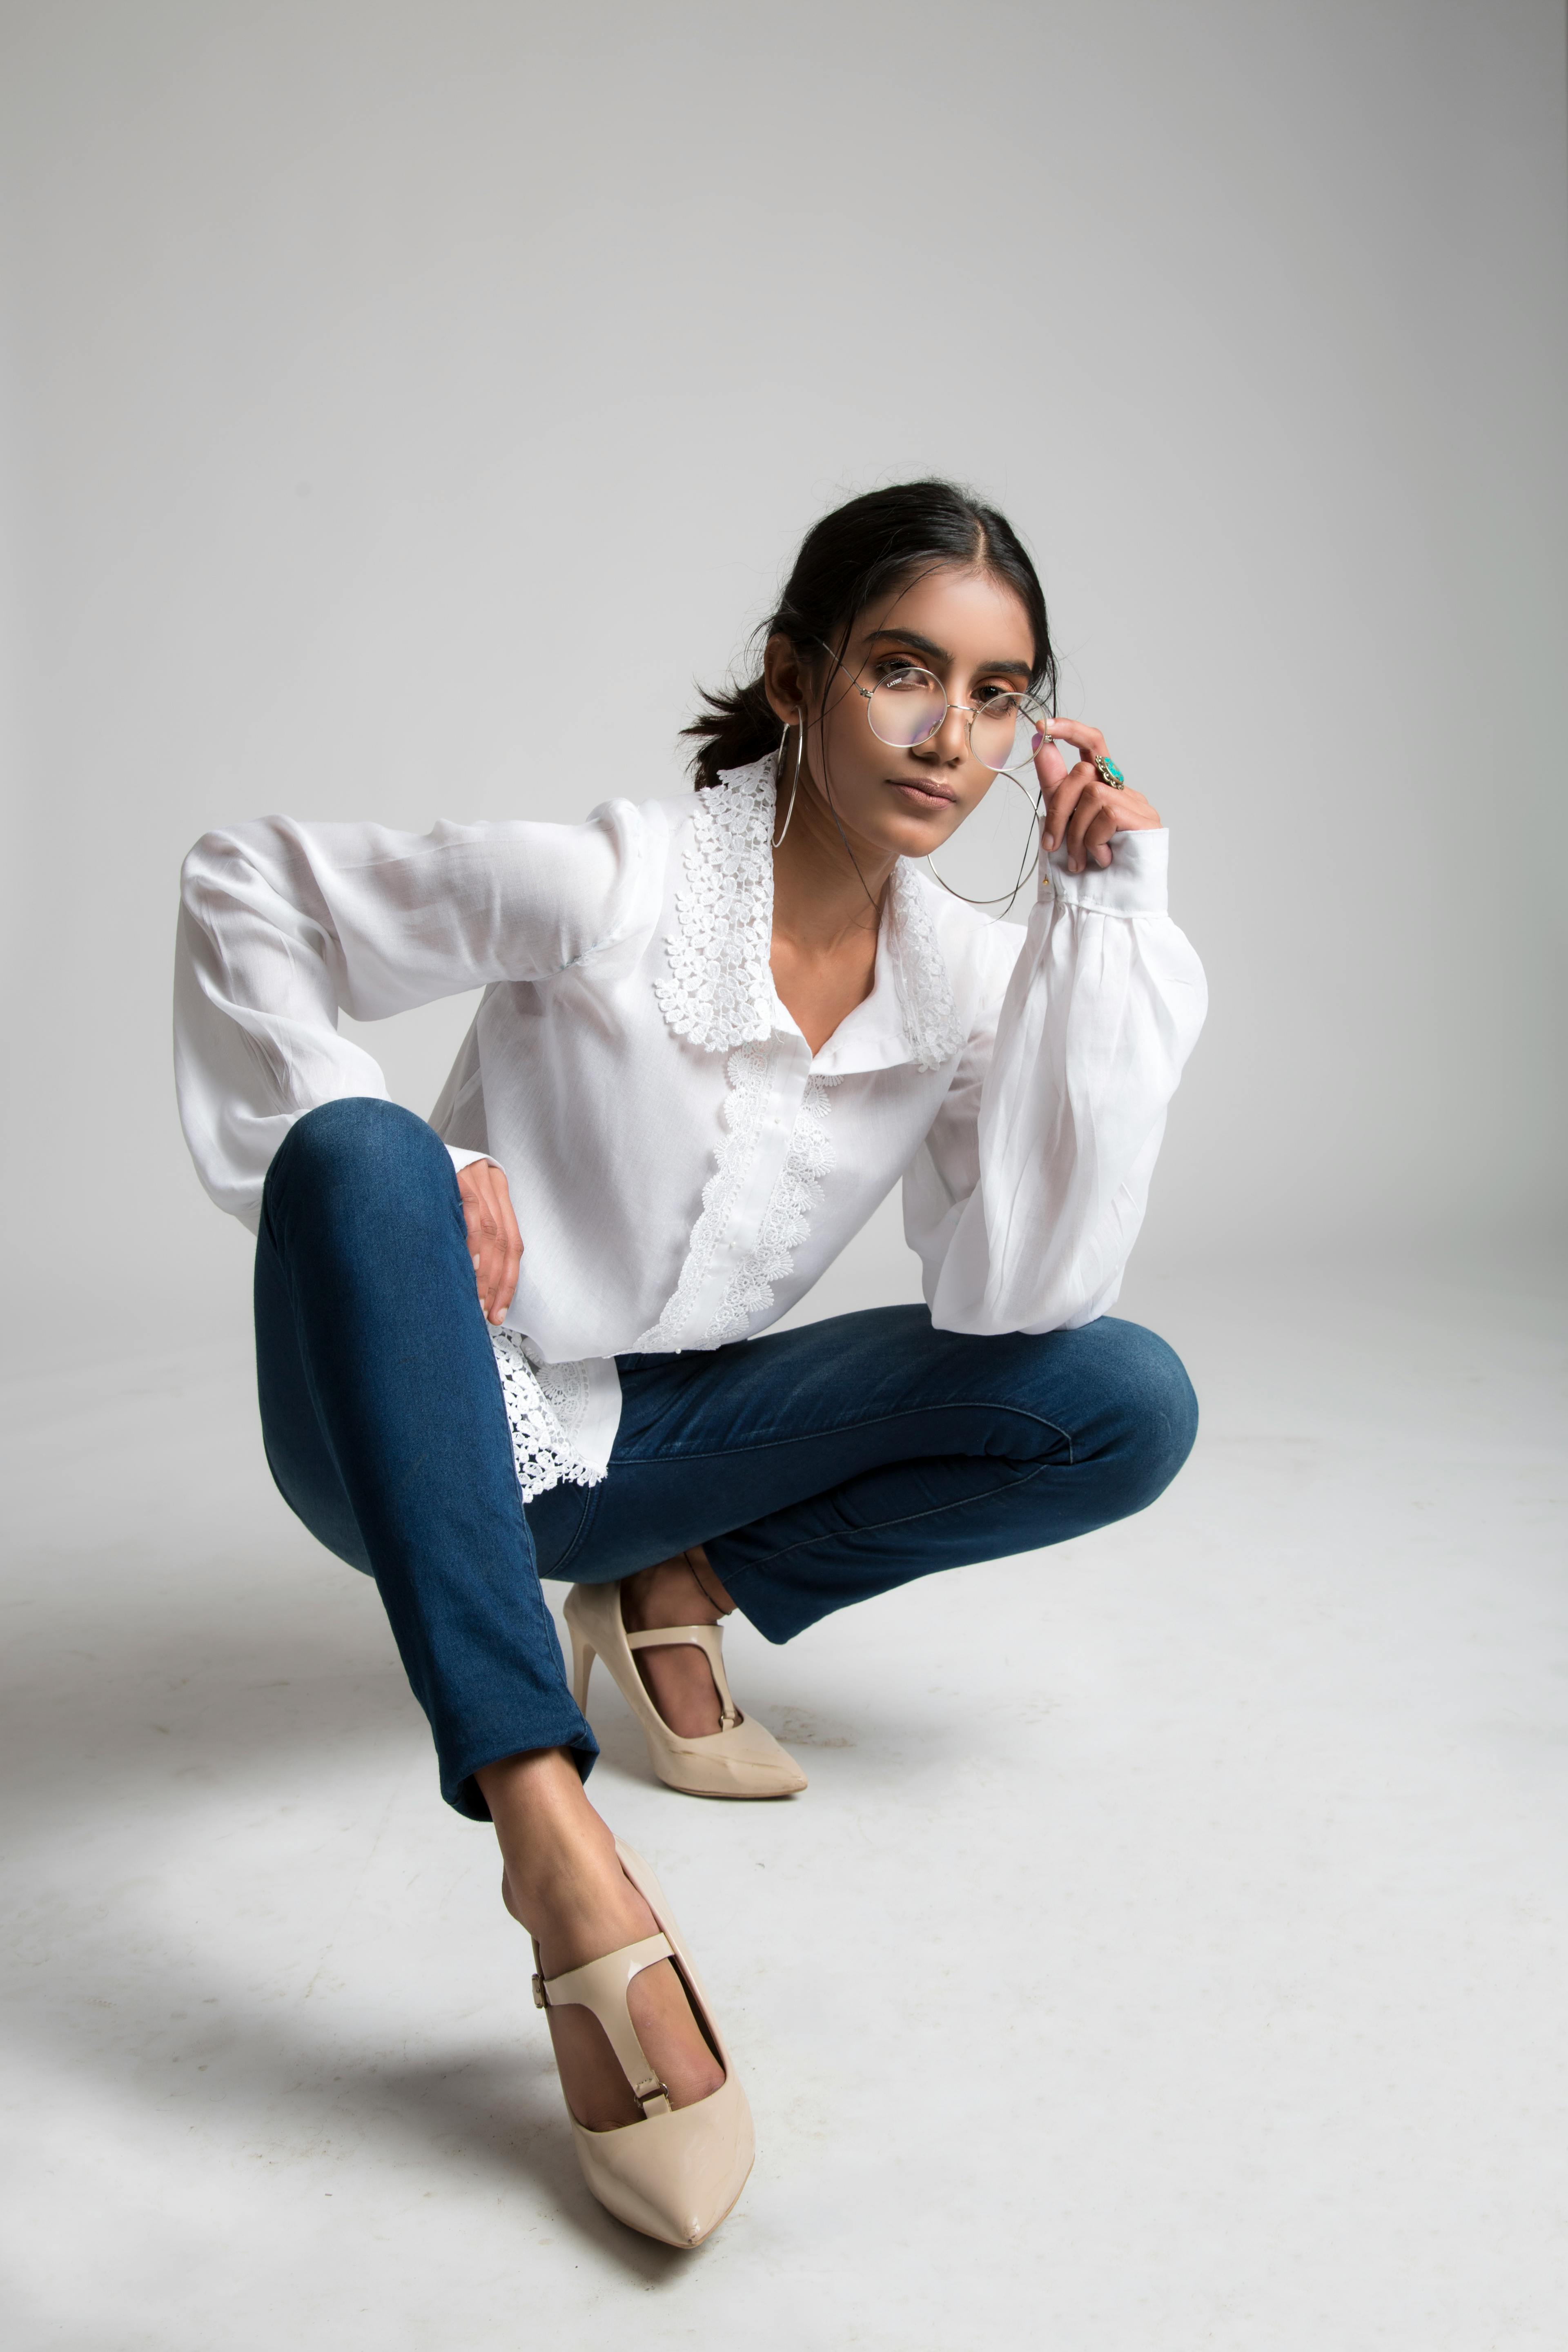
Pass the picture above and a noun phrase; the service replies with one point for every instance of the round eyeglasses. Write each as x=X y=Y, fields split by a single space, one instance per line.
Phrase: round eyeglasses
x=907 y=708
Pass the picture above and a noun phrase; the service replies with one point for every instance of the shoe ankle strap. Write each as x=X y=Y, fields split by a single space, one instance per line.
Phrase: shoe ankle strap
x=710 y=1639
x=601 y=1986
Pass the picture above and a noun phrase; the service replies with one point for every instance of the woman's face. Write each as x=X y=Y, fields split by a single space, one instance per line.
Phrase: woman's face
x=972 y=633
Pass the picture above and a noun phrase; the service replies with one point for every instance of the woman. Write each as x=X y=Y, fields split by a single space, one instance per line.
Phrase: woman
x=520 y=1340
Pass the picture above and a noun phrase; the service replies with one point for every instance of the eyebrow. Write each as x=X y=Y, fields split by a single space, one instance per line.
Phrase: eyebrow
x=940 y=653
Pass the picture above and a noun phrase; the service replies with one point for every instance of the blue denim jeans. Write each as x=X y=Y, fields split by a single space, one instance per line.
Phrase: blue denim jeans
x=819 y=1466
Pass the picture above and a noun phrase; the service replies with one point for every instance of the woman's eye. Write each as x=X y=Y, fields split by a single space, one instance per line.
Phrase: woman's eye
x=988 y=697
x=901 y=674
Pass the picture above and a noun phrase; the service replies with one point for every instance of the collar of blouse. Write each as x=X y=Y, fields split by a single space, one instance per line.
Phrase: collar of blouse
x=717 y=987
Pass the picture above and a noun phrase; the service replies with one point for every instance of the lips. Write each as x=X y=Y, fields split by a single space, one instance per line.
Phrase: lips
x=934 y=793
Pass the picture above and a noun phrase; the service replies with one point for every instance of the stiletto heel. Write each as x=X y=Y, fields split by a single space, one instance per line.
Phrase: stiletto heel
x=675 y=2175
x=740 y=1759
x=582 y=1666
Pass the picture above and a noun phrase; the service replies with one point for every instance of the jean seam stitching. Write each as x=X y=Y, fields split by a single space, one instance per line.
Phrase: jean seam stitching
x=879 y=1526
x=589 y=1512
x=839 y=1428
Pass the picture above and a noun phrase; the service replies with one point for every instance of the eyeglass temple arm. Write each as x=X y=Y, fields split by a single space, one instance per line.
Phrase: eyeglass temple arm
x=1028 y=700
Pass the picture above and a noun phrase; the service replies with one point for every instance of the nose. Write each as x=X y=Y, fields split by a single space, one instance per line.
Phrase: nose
x=950 y=743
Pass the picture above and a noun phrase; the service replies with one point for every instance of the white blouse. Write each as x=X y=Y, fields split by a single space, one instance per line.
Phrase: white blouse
x=683 y=1167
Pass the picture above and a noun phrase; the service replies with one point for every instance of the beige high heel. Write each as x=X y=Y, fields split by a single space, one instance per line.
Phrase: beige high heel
x=675 y=2175
x=739 y=1759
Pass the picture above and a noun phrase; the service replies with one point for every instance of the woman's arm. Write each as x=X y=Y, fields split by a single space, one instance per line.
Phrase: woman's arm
x=282 y=925
x=1027 y=1195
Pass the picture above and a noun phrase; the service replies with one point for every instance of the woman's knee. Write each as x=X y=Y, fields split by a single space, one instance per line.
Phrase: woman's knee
x=366 y=1157
x=1153 y=1409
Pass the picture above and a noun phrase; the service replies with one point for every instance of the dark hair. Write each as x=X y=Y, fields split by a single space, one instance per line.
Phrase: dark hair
x=855 y=556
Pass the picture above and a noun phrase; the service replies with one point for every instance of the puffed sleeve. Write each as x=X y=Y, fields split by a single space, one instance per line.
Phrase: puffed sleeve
x=282 y=925
x=1026 y=1197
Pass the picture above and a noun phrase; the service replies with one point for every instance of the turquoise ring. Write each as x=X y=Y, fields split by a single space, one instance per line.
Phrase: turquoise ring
x=1110 y=773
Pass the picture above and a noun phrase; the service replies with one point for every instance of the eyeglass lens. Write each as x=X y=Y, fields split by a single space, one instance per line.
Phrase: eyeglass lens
x=909 y=707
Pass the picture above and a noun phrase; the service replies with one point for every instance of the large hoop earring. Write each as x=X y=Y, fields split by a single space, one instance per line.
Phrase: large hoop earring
x=1006 y=900
x=794 y=781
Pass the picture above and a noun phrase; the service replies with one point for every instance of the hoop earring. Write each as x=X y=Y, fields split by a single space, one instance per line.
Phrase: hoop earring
x=1011 y=896
x=794 y=781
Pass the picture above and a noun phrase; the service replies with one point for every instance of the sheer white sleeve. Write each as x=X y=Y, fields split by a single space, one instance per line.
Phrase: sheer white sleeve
x=1026 y=1197
x=283 y=924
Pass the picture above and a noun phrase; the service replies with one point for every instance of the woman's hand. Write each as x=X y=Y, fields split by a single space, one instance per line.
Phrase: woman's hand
x=1082 y=811
x=494 y=1243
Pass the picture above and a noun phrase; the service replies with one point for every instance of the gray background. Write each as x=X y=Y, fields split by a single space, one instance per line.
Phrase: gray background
x=1169 y=1951
x=406 y=403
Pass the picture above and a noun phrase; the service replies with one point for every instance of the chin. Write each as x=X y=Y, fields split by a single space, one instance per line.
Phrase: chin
x=903 y=831
x=930 y=827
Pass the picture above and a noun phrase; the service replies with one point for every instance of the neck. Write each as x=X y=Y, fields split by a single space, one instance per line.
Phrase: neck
x=819 y=899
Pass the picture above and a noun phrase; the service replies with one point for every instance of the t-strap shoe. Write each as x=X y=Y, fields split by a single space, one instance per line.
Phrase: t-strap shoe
x=675 y=2175
x=739 y=1759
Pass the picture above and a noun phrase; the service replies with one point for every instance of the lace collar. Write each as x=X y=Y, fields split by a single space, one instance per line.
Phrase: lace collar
x=718 y=987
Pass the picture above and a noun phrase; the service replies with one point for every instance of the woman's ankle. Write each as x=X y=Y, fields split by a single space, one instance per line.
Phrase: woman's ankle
x=565 y=1884
x=682 y=1591
x=564 y=1879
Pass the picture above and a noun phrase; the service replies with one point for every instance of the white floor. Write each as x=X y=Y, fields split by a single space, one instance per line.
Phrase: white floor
x=1169 y=1952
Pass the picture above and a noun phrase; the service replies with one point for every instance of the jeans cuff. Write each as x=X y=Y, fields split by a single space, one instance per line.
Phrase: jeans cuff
x=462 y=1791
x=762 y=1600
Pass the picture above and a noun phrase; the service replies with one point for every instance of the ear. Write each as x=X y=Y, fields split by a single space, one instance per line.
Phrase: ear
x=785 y=679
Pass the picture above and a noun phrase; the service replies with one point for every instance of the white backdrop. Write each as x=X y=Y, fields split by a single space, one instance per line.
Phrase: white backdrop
x=390 y=384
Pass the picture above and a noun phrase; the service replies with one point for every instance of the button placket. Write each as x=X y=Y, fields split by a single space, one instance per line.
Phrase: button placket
x=789 y=1068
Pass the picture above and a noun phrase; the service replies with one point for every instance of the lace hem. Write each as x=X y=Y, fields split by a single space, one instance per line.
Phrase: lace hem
x=545 y=1404
x=786 y=1221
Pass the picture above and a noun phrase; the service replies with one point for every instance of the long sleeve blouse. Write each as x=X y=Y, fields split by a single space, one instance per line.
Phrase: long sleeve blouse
x=683 y=1166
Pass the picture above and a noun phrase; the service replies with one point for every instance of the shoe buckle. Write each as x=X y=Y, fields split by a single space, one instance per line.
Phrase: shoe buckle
x=538 y=1999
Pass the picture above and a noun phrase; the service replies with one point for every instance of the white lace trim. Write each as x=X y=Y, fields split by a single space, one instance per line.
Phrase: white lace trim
x=545 y=1404
x=919 y=969
x=786 y=1221
x=718 y=989
x=748 y=1072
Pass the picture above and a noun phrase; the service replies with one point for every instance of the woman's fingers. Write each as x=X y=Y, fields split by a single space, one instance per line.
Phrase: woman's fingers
x=504 y=1252
x=484 y=1237
x=495 y=1245
x=1063 y=803
x=1050 y=766
x=1064 y=786
x=1082 y=811
x=1089 y=741
x=1087 y=811
x=513 y=1247
x=1098 y=833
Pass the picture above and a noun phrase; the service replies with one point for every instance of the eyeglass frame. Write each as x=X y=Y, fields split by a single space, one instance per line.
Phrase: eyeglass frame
x=1026 y=695
x=1023 y=697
